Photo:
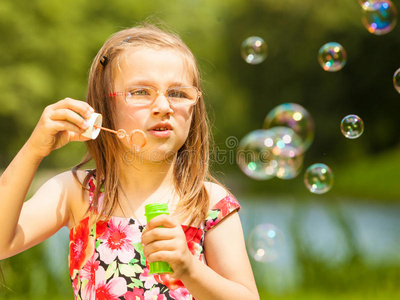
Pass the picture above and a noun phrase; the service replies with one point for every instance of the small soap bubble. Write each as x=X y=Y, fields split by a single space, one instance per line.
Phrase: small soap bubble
x=379 y=17
x=396 y=80
x=332 y=57
x=352 y=126
x=318 y=178
x=295 y=117
x=265 y=243
x=254 y=50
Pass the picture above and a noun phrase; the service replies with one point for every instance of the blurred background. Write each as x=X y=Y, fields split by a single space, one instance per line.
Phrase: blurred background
x=342 y=244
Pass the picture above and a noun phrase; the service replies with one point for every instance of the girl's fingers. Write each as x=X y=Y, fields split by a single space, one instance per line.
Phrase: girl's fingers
x=157 y=234
x=70 y=116
x=81 y=107
x=162 y=220
x=159 y=256
x=157 y=246
x=67 y=126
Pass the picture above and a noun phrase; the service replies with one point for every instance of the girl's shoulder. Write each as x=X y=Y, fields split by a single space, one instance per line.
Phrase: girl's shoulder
x=216 y=192
x=67 y=181
x=222 y=204
x=76 y=196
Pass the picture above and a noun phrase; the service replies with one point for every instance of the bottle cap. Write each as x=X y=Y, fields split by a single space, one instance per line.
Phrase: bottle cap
x=154 y=209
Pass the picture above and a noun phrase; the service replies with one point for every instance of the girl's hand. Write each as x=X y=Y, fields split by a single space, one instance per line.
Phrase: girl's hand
x=167 y=243
x=60 y=123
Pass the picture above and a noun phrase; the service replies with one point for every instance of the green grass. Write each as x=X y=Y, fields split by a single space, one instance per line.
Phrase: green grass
x=373 y=177
x=335 y=295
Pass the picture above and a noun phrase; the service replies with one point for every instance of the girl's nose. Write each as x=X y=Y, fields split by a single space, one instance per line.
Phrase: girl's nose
x=161 y=106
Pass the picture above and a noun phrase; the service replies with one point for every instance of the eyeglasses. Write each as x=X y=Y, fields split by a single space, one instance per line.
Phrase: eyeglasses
x=145 y=95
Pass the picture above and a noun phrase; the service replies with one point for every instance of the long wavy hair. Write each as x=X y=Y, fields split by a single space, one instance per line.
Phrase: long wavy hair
x=191 y=167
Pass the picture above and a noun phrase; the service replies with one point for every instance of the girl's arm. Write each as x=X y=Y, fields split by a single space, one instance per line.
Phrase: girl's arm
x=228 y=273
x=26 y=224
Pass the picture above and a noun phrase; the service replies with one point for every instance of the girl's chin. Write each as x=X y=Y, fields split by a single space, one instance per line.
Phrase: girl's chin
x=144 y=156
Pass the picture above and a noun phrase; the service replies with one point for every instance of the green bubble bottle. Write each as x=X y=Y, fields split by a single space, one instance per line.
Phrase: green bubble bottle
x=151 y=211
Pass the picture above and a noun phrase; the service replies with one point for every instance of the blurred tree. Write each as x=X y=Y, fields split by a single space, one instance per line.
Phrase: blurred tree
x=47 y=47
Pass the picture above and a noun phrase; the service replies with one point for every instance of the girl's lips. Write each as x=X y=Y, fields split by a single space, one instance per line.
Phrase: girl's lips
x=160 y=133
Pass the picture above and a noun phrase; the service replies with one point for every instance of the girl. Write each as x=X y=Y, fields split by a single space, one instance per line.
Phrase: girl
x=144 y=79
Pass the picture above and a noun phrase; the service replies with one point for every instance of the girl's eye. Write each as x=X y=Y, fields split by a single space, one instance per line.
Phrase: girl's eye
x=138 y=92
x=176 y=93
x=141 y=92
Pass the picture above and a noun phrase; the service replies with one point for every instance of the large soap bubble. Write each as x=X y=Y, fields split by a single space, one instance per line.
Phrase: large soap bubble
x=254 y=155
x=396 y=80
x=293 y=116
x=265 y=243
x=287 y=149
x=379 y=17
x=263 y=154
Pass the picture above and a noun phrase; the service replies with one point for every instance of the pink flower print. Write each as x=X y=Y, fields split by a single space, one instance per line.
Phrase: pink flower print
x=154 y=294
x=90 y=268
x=147 y=279
x=117 y=241
x=112 y=290
x=211 y=222
x=136 y=294
x=99 y=200
x=181 y=293
x=88 y=273
x=170 y=282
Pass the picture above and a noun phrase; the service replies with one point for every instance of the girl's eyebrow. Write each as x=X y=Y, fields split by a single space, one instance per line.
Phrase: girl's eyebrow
x=150 y=83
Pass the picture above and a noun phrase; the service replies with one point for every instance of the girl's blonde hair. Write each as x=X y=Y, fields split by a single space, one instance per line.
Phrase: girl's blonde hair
x=191 y=167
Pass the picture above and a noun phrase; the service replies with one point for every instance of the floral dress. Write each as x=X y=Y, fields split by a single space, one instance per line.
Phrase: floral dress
x=106 y=260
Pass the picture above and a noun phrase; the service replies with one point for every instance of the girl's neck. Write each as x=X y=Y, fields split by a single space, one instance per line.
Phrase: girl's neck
x=141 y=180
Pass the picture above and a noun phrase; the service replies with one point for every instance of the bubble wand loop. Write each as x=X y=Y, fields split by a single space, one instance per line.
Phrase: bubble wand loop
x=135 y=138
x=121 y=134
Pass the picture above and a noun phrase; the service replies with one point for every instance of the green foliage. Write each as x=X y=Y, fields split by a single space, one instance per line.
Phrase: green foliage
x=27 y=276
x=47 y=48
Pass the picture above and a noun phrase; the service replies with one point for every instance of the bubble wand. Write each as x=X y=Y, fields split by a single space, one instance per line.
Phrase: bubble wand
x=136 y=138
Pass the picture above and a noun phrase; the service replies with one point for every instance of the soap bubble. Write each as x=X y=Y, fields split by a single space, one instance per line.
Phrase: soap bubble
x=366 y=4
x=254 y=50
x=294 y=116
x=318 y=178
x=289 y=167
x=396 y=80
x=332 y=57
x=265 y=243
x=352 y=126
x=287 y=150
x=254 y=156
x=263 y=154
x=379 y=17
